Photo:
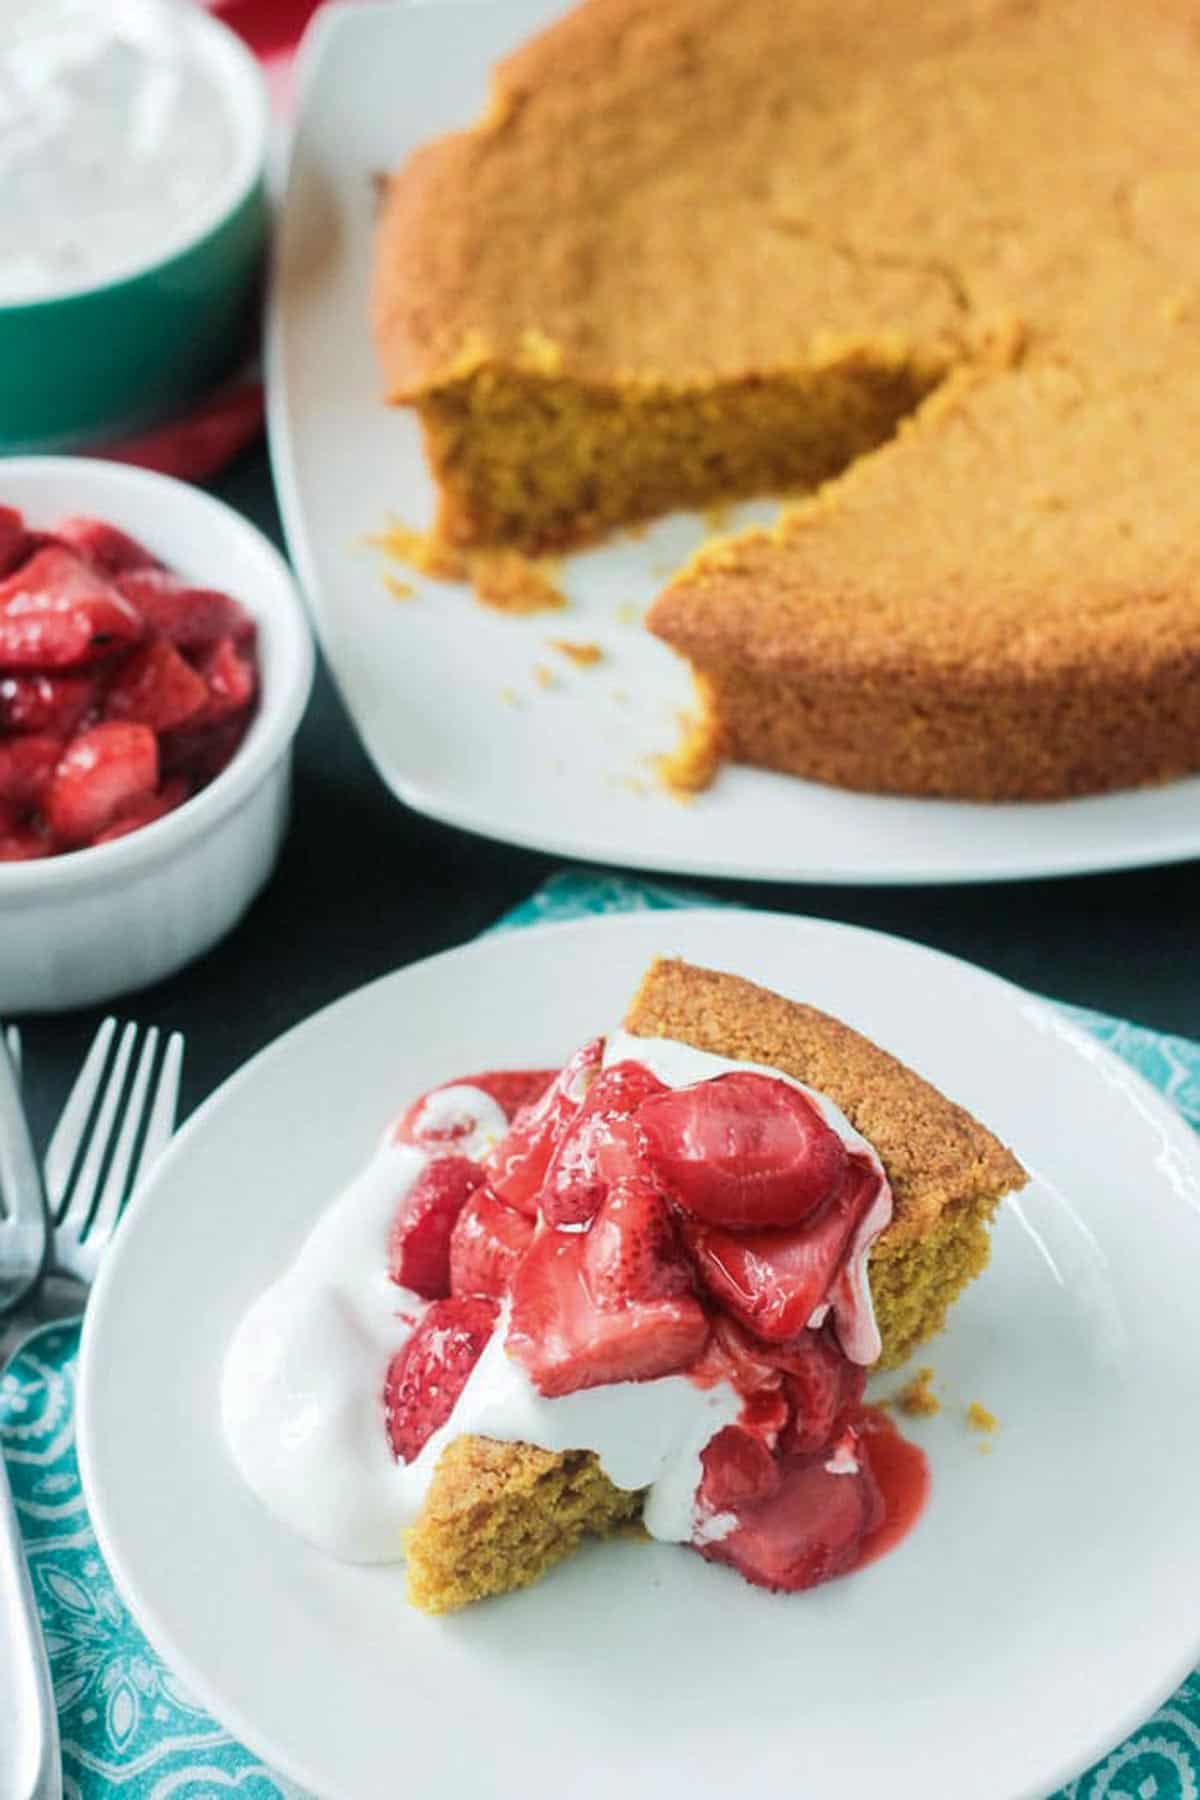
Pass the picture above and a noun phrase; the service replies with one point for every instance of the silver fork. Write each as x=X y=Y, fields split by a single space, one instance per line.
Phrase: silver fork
x=84 y=1216
x=82 y=1224
x=23 y=1221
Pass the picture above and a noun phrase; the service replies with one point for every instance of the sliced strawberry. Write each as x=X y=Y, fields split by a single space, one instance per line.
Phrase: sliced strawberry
x=632 y=1250
x=156 y=687
x=24 y=844
x=517 y=1165
x=808 y=1530
x=103 y=546
x=171 y=794
x=738 y=1466
x=55 y=703
x=565 y=1341
x=14 y=540
x=27 y=765
x=55 y=613
x=101 y=773
x=192 y=617
x=419 y=1247
x=486 y=1245
x=200 y=752
x=742 y=1150
x=229 y=678
x=576 y=1181
x=773 y=1281
x=511 y=1089
x=425 y=1379
x=821 y=1384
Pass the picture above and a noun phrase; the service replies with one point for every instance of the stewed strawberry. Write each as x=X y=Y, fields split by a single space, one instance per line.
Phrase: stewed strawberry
x=511 y=1089
x=419 y=1249
x=103 y=546
x=27 y=766
x=811 y=1527
x=156 y=687
x=13 y=540
x=593 y=1150
x=774 y=1281
x=137 y=813
x=194 y=618
x=516 y=1167
x=742 y=1150
x=32 y=701
x=632 y=1250
x=426 y=1377
x=488 y=1241
x=102 y=772
x=102 y=652
x=56 y=613
x=737 y=1466
x=565 y=1339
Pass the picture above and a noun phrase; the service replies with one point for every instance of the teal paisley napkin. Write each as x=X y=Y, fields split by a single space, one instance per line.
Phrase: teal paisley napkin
x=130 y=1729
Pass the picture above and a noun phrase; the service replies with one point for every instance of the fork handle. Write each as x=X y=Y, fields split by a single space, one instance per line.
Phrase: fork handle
x=31 y=1766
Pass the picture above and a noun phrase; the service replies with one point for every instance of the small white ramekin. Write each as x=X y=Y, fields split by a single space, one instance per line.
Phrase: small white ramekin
x=82 y=928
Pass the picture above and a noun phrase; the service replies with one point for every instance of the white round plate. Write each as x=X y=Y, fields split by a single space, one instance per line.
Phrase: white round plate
x=446 y=695
x=1043 y=1606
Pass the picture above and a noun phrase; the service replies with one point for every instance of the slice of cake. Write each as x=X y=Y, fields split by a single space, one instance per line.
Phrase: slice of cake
x=647 y=1287
x=696 y=250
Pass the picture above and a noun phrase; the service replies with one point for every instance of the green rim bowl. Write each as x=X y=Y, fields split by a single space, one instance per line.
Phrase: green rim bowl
x=93 y=363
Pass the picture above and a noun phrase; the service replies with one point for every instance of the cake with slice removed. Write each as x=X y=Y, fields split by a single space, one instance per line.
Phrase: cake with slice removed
x=950 y=268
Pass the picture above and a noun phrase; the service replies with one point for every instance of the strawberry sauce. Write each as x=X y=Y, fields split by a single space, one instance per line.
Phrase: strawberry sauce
x=901 y=1471
x=618 y=1229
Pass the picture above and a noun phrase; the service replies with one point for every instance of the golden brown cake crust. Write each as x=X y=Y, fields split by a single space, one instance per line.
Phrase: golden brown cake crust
x=783 y=214
x=936 y=1155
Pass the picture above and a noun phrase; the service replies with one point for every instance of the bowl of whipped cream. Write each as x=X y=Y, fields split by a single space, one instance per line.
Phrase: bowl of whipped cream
x=133 y=145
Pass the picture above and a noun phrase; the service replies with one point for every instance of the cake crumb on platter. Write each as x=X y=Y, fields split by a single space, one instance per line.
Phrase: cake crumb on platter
x=399 y=590
x=506 y=580
x=582 y=654
x=980 y=1419
x=545 y=678
x=916 y=1399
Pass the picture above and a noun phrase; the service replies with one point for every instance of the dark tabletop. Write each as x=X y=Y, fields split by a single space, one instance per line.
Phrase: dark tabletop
x=365 y=885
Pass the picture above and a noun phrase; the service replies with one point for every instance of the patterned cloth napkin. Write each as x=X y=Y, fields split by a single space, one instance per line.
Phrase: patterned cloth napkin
x=130 y=1729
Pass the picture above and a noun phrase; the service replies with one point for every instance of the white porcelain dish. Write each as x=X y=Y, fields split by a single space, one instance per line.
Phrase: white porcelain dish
x=1044 y=1605
x=443 y=693
x=81 y=928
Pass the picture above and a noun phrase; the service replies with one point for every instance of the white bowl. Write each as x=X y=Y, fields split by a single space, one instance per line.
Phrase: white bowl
x=80 y=928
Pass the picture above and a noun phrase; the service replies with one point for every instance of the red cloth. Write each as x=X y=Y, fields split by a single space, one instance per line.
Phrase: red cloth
x=228 y=421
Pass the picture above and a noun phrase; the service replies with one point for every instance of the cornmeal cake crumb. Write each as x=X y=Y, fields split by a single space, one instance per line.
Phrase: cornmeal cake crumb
x=399 y=590
x=916 y=1399
x=544 y=677
x=980 y=1419
x=502 y=579
x=584 y=655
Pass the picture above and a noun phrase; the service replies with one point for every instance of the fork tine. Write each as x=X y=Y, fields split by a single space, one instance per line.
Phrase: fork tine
x=68 y=1133
x=84 y=1191
x=162 y=1116
x=115 y=1191
x=12 y=1038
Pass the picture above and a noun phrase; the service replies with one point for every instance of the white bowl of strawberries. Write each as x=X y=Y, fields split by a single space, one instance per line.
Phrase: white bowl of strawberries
x=155 y=661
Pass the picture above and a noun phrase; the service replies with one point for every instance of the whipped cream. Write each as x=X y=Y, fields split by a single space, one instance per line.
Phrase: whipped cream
x=114 y=140
x=302 y=1384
